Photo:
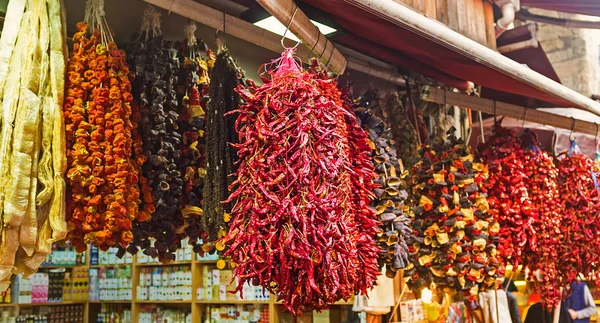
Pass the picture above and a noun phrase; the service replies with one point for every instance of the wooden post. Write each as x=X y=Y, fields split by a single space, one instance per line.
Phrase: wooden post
x=288 y=13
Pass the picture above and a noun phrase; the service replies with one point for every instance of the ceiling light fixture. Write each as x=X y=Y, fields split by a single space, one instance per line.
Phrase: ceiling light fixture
x=273 y=25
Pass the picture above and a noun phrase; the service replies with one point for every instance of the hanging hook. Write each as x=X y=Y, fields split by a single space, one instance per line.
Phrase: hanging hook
x=571 y=135
x=288 y=28
x=524 y=117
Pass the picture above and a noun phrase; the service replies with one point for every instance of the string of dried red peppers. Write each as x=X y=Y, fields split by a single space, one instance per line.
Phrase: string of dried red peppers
x=102 y=180
x=579 y=224
x=293 y=218
x=524 y=199
x=453 y=244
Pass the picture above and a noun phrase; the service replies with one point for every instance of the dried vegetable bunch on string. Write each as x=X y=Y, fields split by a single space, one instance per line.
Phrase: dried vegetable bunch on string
x=193 y=87
x=295 y=226
x=32 y=149
x=391 y=197
x=102 y=177
x=404 y=134
x=523 y=193
x=414 y=114
x=578 y=189
x=156 y=67
x=220 y=156
x=454 y=243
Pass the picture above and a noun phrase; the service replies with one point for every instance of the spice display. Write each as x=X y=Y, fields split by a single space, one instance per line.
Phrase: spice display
x=523 y=195
x=391 y=197
x=220 y=156
x=578 y=189
x=102 y=178
x=32 y=150
x=295 y=213
x=454 y=244
x=404 y=134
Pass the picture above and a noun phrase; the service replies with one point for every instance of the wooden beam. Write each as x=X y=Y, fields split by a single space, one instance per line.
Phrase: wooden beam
x=288 y=13
x=441 y=96
x=233 y=26
x=244 y=30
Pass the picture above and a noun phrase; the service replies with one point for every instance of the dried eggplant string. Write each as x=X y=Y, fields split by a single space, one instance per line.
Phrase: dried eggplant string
x=391 y=202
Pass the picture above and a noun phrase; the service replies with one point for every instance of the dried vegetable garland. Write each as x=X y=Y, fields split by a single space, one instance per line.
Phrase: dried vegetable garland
x=194 y=85
x=578 y=189
x=32 y=162
x=156 y=67
x=102 y=179
x=453 y=248
x=220 y=156
x=404 y=134
x=523 y=194
x=391 y=197
x=293 y=216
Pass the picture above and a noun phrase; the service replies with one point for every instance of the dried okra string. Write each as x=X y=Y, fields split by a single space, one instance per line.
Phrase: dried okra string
x=220 y=156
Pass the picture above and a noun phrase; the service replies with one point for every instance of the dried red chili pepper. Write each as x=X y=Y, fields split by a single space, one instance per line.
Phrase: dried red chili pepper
x=297 y=236
x=524 y=199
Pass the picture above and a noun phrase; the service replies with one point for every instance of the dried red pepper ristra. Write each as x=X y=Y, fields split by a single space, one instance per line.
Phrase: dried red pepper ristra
x=391 y=202
x=523 y=195
x=453 y=246
x=293 y=225
x=578 y=190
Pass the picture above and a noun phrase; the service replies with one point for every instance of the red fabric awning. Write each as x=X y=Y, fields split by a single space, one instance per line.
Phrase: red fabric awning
x=396 y=43
x=584 y=7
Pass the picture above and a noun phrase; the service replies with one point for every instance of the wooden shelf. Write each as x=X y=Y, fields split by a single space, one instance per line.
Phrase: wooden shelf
x=8 y=305
x=110 y=302
x=206 y=261
x=163 y=302
x=51 y=304
x=157 y=264
x=110 y=266
x=239 y=301
x=59 y=266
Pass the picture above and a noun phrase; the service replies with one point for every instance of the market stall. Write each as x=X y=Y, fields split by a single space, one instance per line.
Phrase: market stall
x=149 y=174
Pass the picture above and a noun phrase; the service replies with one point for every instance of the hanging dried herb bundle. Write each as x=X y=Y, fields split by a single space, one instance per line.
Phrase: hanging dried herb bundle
x=294 y=223
x=220 y=156
x=454 y=242
x=391 y=197
x=405 y=136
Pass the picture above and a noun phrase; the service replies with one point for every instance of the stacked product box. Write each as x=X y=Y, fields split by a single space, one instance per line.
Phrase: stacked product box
x=80 y=282
x=39 y=287
x=55 y=287
x=218 y=285
x=109 y=257
x=152 y=314
x=165 y=283
x=240 y=314
x=66 y=256
x=110 y=284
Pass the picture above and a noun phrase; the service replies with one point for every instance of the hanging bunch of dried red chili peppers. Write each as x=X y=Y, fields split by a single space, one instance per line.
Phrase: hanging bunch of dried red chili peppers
x=453 y=247
x=295 y=228
x=391 y=197
x=578 y=189
x=102 y=179
x=523 y=195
